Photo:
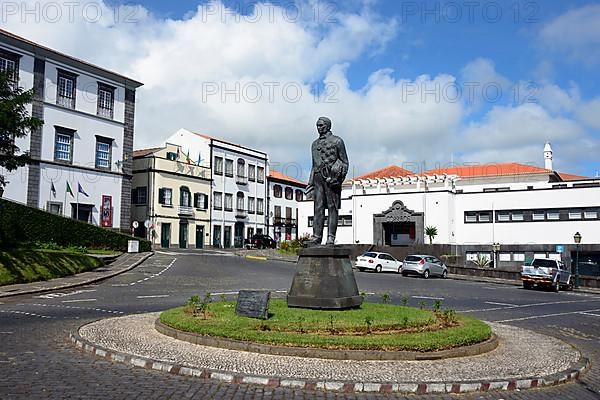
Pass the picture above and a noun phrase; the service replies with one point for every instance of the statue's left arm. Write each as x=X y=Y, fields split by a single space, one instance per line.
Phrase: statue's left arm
x=343 y=158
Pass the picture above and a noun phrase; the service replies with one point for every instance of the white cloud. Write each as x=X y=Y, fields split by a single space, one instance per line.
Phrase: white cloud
x=575 y=33
x=590 y=113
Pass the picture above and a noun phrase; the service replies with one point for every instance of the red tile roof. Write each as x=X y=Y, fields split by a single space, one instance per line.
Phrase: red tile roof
x=491 y=169
x=145 y=152
x=281 y=177
x=571 y=177
x=392 y=171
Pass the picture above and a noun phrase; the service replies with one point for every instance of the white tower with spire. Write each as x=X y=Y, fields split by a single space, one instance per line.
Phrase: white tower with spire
x=548 y=157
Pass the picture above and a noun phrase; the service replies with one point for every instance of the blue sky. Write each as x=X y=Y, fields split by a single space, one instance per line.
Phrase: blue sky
x=542 y=56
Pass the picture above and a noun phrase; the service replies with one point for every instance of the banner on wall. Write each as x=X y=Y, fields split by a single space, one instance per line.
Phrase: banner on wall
x=107 y=212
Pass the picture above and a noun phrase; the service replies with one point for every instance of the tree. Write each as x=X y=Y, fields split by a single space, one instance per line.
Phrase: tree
x=15 y=122
x=432 y=232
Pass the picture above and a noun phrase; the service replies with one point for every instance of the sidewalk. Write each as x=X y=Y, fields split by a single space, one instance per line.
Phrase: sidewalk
x=122 y=264
x=266 y=254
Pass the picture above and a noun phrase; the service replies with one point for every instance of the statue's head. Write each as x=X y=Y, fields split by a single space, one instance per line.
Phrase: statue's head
x=323 y=125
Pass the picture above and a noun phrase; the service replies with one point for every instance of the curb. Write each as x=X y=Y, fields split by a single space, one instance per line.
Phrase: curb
x=83 y=283
x=257 y=258
x=500 y=281
x=573 y=373
x=330 y=354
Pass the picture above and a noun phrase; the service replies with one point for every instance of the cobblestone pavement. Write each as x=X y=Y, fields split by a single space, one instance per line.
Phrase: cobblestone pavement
x=37 y=361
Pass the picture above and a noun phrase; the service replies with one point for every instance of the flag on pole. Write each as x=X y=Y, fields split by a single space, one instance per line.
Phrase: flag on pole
x=188 y=159
x=80 y=190
x=52 y=189
x=178 y=152
x=199 y=159
x=69 y=190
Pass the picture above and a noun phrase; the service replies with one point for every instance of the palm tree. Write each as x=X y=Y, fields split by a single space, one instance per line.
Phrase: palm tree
x=432 y=232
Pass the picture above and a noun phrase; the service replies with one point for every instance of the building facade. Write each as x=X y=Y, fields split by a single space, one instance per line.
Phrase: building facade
x=238 y=186
x=285 y=193
x=173 y=195
x=506 y=203
x=82 y=155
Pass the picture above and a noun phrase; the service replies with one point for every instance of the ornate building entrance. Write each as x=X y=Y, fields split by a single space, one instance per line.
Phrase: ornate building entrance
x=398 y=226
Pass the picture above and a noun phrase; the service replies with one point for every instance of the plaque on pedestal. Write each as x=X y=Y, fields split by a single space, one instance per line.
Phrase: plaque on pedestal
x=324 y=280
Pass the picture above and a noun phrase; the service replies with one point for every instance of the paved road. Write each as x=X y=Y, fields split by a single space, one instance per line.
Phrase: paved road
x=37 y=361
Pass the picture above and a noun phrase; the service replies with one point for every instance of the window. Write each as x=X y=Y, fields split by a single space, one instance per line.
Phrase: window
x=470 y=217
x=103 y=152
x=228 y=167
x=310 y=221
x=590 y=214
x=217 y=200
x=504 y=257
x=239 y=205
x=289 y=193
x=200 y=201
x=260 y=175
x=165 y=196
x=185 y=196
x=519 y=257
x=251 y=205
x=574 y=214
x=553 y=215
x=106 y=100
x=9 y=62
x=539 y=215
x=517 y=216
x=139 y=195
x=65 y=89
x=171 y=156
x=241 y=168
x=277 y=190
x=63 y=145
x=299 y=195
x=228 y=202
x=218 y=165
x=54 y=207
x=503 y=216
x=484 y=217
x=251 y=172
x=277 y=210
x=345 y=220
x=260 y=206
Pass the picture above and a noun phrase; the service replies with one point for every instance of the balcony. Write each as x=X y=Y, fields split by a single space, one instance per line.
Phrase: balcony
x=290 y=221
x=278 y=221
x=185 y=211
x=241 y=213
x=241 y=180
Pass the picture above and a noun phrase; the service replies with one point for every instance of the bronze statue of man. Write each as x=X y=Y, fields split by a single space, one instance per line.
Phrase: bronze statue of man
x=329 y=168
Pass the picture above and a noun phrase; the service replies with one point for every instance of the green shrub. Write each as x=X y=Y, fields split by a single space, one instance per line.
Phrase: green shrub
x=21 y=226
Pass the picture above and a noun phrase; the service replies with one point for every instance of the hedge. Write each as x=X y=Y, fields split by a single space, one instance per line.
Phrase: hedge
x=20 y=224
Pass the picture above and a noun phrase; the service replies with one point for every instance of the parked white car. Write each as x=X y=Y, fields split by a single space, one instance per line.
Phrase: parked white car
x=378 y=262
x=546 y=272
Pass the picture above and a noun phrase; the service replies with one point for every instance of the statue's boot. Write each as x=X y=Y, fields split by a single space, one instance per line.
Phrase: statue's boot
x=330 y=240
x=313 y=242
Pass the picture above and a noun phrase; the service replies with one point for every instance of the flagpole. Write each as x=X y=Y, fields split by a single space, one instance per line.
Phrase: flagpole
x=77 y=207
x=49 y=196
x=65 y=209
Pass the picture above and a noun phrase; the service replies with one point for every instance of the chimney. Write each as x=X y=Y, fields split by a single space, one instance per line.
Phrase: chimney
x=548 y=157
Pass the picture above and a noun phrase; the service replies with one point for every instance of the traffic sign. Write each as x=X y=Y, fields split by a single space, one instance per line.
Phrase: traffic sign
x=135 y=224
x=560 y=248
x=147 y=223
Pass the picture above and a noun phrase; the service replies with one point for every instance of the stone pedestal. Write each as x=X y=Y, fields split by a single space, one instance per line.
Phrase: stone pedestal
x=324 y=280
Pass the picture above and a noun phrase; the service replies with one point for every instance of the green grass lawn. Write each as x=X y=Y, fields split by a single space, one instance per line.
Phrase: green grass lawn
x=372 y=327
x=23 y=266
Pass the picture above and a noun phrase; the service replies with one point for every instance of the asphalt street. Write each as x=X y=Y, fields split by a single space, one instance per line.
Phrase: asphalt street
x=37 y=361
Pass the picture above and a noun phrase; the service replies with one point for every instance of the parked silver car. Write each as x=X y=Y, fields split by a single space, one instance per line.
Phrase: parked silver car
x=546 y=272
x=424 y=265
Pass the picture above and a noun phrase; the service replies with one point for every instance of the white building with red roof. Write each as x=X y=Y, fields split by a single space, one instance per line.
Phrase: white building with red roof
x=506 y=203
x=285 y=193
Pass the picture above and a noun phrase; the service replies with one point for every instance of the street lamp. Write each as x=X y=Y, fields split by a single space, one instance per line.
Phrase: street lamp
x=496 y=249
x=577 y=238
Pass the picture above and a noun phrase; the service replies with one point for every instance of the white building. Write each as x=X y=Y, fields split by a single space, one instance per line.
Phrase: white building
x=285 y=193
x=239 y=186
x=506 y=203
x=86 y=141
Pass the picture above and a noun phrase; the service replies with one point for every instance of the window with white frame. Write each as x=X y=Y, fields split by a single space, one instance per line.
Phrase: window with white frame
x=218 y=165
x=484 y=217
x=241 y=168
x=260 y=206
x=517 y=216
x=217 y=200
x=228 y=167
x=185 y=196
x=251 y=172
x=65 y=89
x=519 y=257
x=470 y=217
x=165 y=196
x=504 y=257
x=289 y=193
x=553 y=215
x=54 y=207
x=63 y=145
x=590 y=214
x=503 y=216
x=574 y=214
x=251 y=205
x=540 y=255
x=228 y=202
x=200 y=201
x=277 y=190
x=9 y=63
x=239 y=205
x=106 y=100
x=539 y=215
x=260 y=174
x=103 y=152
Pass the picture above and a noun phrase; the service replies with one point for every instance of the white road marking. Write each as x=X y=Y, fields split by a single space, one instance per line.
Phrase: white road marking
x=529 y=305
x=154 y=275
x=501 y=304
x=60 y=294
x=79 y=301
x=427 y=297
x=24 y=313
x=586 y=312
x=6 y=333
x=590 y=314
x=119 y=284
x=153 y=296
x=73 y=308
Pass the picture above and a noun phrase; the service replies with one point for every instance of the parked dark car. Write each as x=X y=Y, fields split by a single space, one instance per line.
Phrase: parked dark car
x=260 y=241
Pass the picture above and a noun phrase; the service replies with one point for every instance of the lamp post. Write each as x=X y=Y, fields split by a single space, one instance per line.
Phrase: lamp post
x=496 y=249
x=577 y=238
